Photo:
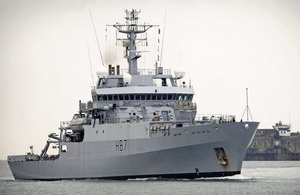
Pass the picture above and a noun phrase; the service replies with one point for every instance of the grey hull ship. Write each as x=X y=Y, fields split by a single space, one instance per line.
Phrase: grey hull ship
x=141 y=123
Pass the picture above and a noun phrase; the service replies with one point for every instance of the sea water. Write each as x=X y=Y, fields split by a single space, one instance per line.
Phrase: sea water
x=257 y=177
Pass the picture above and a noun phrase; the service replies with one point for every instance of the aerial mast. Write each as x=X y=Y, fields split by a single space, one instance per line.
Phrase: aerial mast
x=131 y=29
x=247 y=109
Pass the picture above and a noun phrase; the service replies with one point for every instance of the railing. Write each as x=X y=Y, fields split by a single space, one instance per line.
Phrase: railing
x=112 y=120
x=179 y=105
x=201 y=118
x=215 y=118
x=148 y=71
x=65 y=124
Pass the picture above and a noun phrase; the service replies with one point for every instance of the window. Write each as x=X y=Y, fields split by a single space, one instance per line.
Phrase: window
x=116 y=97
x=131 y=96
x=158 y=96
x=148 y=96
x=185 y=97
x=153 y=96
x=126 y=97
x=121 y=97
x=138 y=97
x=175 y=97
x=100 y=98
x=179 y=97
x=164 y=97
x=104 y=97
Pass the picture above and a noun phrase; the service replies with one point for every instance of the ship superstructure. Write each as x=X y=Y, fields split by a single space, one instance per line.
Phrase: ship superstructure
x=141 y=123
x=283 y=129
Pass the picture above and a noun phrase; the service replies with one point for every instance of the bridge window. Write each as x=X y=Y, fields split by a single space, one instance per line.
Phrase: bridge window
x=148 y=96
x=179 y=97
x=116 y=97
x=164 y=97
x=158 y=97
x=138 y=97
x=126 y=97
x=153 y=97
x=104 y=97
x=131 y=96
x=121 y=97
x=185 y=97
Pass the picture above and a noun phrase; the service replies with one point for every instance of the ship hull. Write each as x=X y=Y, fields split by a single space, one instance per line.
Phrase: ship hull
x=187 y=152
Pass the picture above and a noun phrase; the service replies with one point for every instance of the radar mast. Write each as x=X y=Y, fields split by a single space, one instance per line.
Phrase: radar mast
x=132 y=28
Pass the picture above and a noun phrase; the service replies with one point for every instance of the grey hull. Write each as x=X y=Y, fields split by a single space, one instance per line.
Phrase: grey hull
x=188 y=152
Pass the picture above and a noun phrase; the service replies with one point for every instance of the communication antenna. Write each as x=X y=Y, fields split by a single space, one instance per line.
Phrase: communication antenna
x=31 y=148
x=96 y=37
x=162 y=44
x=247 y=109
x=91 y=64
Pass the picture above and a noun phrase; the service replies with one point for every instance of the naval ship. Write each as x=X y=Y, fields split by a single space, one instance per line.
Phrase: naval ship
x=140 y=123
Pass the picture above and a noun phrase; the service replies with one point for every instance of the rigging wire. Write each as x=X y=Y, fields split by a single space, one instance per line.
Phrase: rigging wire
x=96 y=37
x=91 y=64
x=162 y=44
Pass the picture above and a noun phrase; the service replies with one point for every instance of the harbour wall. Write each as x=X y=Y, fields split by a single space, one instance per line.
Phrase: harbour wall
x=269 y=146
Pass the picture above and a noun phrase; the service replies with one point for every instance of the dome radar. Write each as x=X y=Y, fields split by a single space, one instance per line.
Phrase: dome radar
x=102 y=72
x=179 y=72
x=127 y=78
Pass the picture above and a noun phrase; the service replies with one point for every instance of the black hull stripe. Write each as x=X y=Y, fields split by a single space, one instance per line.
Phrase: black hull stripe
x=169 y=176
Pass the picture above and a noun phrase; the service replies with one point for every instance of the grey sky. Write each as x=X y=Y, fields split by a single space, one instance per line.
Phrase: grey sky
x=225 y=46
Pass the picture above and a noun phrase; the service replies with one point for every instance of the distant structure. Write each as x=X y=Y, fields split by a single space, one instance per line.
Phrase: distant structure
x=283 y=129
x=278 y=143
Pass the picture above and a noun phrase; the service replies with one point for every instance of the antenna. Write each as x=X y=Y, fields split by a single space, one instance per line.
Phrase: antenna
x=247 y=108
x=96 y=37
x=31 y=148
x=91 y=65
x=162 y=44
x=131 y=29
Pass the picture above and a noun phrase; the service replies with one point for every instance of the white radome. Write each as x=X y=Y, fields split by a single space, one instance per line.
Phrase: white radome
x=127 y=78
x=179 y=72
x=102 y=72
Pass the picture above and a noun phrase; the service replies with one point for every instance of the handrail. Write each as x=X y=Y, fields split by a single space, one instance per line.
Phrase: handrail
x=148 y=71
x=216 y=117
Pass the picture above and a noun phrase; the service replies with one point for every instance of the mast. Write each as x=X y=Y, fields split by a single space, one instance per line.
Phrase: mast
x=247 y=109
x=131 y=29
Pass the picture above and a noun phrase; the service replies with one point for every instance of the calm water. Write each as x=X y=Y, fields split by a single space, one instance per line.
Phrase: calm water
x=264 y=177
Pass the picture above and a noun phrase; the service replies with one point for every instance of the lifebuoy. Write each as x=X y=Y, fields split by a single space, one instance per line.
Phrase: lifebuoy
x=155 y=118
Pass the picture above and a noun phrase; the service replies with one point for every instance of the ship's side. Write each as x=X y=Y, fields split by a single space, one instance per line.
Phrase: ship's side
x=188 y=152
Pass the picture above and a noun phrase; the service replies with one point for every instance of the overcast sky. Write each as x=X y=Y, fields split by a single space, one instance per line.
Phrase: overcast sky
x=225 y=47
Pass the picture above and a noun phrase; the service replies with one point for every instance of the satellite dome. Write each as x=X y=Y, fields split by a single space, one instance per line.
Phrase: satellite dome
x=179 y=72
x=102 y=72
x=126 y=78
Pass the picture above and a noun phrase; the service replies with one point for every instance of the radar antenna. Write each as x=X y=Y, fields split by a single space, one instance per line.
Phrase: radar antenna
x=131 y=29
